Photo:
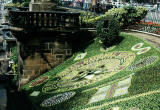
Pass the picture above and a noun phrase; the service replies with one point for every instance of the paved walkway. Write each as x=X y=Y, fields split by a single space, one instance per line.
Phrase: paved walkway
x=153 y=39
x=3 y=98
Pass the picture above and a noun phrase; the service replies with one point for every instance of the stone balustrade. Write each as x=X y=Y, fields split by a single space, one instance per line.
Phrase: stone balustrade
x=28 y=19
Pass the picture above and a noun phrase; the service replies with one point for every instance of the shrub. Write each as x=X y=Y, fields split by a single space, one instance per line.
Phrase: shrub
x=126 y=16
x=85 y=17
x=25 y=4
x=12 y=5
x=108 y=36
x=113 y=27
x=14 y=54
x=14 y=58
x=130 y=16
x=100 y=31
x=141 y=13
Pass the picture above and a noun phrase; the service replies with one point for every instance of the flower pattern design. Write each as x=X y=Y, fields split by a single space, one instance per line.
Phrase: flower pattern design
x=143 y=63
x=116 y=89
x=89 y=71
x=39 y=81
x=57 y=99
x=138 y=47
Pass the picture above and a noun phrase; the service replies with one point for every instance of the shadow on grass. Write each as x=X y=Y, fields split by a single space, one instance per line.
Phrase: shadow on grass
x=82 y=40
x=116 y=41
x=18 y=101
x=85 y=38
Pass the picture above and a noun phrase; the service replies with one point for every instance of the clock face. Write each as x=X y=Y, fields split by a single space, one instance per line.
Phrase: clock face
x=89 y=71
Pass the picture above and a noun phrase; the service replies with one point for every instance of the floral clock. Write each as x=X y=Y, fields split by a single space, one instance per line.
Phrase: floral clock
x=89 y=71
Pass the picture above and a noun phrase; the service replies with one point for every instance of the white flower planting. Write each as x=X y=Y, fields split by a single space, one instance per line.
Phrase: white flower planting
x=80 y=56
x=98 y=97
x=113 y=90
x=124 y=82
x=89 y=76
x=115 y=108
x=138 y=47
x=57 y=99
x=121 y=91
x=35 y=93
x=100 y=94
x=122 y=87
x=143 y=50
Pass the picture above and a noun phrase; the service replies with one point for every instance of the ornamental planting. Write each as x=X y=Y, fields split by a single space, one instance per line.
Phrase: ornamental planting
x=89 y=71
x=57 y=99
x=143 y=63
x=39 y=81
x=80 y=56
x=116 y=89
x=138 y=47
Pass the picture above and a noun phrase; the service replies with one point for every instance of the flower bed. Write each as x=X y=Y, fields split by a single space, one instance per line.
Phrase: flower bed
x=125 y=77
x=147 y=27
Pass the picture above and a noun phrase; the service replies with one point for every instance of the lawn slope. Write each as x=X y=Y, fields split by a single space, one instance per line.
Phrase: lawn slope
x=125 y=76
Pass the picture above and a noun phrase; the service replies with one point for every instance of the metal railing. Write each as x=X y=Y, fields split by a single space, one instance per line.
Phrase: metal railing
x=152 y=17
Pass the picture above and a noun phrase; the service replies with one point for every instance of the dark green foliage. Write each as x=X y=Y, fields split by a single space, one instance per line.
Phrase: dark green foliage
x=82 y=41
x=14 y=54
x=20 y=1
x=129 y=17
x=113 y=27
x=101 y=32
x=145 y=80
x=85 y=16
x=14 y=57
x=148 y=102
x=126 y=16
x=25 y=4
x=108 y=34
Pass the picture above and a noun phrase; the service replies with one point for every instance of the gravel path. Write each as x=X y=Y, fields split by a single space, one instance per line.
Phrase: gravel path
x=153 y=39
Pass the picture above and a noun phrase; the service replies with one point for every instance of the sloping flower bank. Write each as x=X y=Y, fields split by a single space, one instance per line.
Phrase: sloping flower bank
x=123 y=77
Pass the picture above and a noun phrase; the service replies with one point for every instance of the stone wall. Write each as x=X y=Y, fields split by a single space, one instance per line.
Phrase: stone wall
x=39 y=57
x=41 y=5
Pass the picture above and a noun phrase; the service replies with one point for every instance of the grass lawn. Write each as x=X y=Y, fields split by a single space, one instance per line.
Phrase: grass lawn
x=125 y=76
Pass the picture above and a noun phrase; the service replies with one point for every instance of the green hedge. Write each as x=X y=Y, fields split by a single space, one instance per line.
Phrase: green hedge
x=108 y=35
x=126 y=16
x=25 y=4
